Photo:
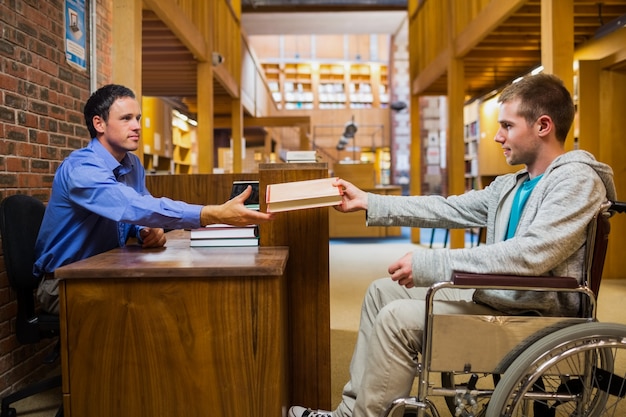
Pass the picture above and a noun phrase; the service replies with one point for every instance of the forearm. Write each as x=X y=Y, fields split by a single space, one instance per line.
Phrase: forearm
x=427 y=211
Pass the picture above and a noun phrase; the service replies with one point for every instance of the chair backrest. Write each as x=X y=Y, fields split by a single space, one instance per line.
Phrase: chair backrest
x=597 y=244
x=20 y=219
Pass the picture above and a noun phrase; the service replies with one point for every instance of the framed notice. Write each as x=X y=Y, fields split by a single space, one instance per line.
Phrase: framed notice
x=75 y=33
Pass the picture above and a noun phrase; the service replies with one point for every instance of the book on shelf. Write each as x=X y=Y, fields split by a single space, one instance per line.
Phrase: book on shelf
x=227 y=242
x=298 y=195
x=225 y=231
x=300 y=156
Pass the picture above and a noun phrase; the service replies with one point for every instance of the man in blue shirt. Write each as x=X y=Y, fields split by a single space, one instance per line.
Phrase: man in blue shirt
x=99 y=198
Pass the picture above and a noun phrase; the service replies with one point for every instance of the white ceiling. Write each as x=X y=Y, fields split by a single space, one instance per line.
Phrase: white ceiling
x=330 y=23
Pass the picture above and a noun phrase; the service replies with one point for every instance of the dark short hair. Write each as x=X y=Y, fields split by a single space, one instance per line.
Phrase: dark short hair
x=101 y=101
x=543 y=94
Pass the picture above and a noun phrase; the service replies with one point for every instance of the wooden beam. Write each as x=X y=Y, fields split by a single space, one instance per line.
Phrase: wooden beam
x=491 y=16
x=181 y=26
x=226 y=80
x=431 y=73
x=601 y=48
x=275 y=121
x=613 y=59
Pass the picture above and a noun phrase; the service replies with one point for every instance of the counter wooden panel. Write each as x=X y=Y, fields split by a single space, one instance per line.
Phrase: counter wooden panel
x=305 y=232
x=176 y=331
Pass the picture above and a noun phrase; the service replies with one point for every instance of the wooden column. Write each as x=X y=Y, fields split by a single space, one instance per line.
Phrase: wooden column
x=601 y=108
x=126 y=32
x=612 y=151
x=557 y=44
x=455 y=138
x=306 y=234
x=236 y=128
x=588 y=128
x=415 y=157
x=267 y=144
x=206 y=158
x=126 y=57
x=305 y=143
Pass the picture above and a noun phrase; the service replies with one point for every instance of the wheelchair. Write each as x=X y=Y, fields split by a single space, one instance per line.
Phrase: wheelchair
x=524 y=366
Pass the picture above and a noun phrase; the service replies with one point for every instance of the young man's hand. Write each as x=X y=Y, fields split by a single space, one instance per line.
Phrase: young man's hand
x=401 y=270
x=353 y=198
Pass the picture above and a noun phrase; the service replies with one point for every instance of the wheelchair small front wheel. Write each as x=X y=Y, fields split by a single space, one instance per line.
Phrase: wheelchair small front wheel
x=576 y=371
x=476 y=407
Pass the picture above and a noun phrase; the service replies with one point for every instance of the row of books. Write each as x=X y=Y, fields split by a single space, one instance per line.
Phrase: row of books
x=281 y=197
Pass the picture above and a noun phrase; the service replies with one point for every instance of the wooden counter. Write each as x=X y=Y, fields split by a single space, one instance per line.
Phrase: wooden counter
x=175 y=331
x=305 y=233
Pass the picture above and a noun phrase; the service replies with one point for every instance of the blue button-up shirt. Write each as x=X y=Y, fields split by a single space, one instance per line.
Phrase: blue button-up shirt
x=97 y=203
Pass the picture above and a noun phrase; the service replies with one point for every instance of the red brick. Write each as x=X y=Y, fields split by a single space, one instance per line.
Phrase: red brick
x=27 y=119
x=16 y=133
x=26 y=150
x=17 y=164
x=48 y=67
x=29 y=180
x=42 y=137
x=7 y=82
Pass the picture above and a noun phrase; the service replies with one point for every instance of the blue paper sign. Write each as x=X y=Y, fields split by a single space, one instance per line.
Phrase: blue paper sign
x=75 y=33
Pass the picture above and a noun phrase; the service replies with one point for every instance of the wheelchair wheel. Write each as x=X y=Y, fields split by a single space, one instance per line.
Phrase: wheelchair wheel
x=465 y=405
x=576 y=371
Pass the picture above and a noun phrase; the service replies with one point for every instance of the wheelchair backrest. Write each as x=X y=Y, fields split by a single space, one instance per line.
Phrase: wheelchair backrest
x=597 y=244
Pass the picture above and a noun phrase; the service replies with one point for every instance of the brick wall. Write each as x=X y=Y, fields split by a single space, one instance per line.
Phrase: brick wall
x=41 y=121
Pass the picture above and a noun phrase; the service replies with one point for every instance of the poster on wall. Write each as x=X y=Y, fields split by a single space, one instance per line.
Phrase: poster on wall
x=75 y=33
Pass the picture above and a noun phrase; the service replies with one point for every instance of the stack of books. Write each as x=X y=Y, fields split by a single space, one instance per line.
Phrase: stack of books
x=224 y=235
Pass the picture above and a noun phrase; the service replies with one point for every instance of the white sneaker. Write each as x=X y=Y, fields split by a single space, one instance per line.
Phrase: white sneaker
x=297 y=411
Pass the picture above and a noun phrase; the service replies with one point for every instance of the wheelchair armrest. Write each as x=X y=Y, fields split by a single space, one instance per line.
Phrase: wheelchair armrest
x=486 y=280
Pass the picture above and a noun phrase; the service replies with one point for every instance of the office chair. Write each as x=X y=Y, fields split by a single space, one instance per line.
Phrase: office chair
x=20 y=219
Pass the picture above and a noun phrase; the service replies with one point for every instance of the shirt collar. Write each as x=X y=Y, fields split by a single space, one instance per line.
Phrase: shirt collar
x=122 y=168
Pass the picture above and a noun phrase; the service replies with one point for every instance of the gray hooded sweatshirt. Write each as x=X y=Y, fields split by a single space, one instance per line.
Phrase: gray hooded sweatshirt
x=549 y=240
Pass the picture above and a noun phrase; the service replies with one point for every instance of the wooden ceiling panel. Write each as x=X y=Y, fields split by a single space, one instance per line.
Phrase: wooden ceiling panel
x=511 y=50
x=169 y=69
x=514 y=48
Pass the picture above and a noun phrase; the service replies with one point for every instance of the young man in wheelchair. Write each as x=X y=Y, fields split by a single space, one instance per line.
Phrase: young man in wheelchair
x=536 y=221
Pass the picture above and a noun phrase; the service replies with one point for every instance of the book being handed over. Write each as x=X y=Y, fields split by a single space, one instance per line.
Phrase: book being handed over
x=302 y=194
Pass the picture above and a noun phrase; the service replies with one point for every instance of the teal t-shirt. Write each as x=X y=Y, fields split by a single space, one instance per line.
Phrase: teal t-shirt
x=519 y=201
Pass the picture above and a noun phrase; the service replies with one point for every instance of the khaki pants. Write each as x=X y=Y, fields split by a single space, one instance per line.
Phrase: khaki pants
x=384 y=363
x=48 y=295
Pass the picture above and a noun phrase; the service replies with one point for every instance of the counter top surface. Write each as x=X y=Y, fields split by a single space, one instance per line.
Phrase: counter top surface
x=178 y=259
